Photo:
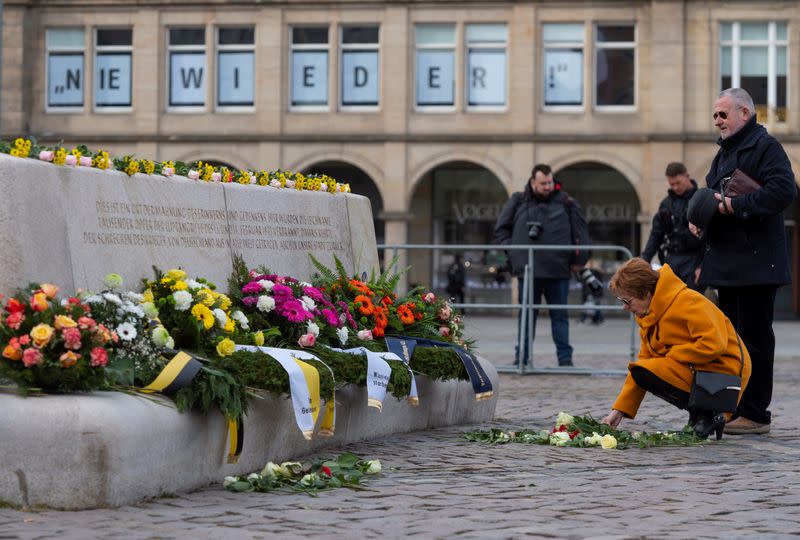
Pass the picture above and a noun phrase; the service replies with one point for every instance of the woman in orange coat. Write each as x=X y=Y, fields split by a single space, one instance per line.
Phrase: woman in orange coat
x=680 y=329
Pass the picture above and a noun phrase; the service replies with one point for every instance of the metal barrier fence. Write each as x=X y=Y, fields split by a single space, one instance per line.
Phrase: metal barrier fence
x=527 y=313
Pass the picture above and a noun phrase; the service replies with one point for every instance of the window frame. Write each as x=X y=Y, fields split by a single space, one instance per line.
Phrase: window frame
x=483 y=46
x=439 y=47
x=326 y=47
x=188 y=109
x=366 y=47
x=564 y=45
x=238 y=47
x=64 y=109
x=111 y=109
x=618 y=45
x=771 y=43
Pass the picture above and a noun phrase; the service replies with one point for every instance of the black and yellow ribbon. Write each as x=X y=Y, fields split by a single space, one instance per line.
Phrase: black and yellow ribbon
x=179 y=372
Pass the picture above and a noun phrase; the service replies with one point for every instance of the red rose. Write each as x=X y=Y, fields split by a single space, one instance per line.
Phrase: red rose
x=326 y=471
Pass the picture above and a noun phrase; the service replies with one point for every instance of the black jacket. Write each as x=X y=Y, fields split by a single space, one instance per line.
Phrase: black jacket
x=553 y=214
x=671 y=222
x=749 y=247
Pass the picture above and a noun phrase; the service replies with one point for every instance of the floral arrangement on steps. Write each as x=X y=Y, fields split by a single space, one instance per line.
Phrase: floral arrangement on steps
x=584 y=432
x=81 y=156
x=53 y=345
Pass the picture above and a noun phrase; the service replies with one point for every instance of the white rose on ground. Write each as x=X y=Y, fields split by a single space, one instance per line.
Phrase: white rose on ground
x=265 y=303
x=608 y=442
x=594 y=440
x=254 y=476
x=564 y=419
x=559 y=438
x=308 y=480
x=373 y=466
x=272 y=469
x=228 y=481
x=183 y=300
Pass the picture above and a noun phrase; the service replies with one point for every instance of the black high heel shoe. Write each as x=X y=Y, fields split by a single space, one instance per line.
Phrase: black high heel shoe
x=709 y=423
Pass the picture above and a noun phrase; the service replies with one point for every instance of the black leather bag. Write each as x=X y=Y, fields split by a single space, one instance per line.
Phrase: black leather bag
x=717 y=392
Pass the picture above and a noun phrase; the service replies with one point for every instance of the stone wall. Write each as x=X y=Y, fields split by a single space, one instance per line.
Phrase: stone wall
x=72 y=225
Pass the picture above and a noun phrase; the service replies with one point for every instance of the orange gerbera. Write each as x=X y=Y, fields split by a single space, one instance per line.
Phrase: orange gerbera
x=364 y=305
x=378 y=332
x=380 y=317
x=386 y=301
x=405 y=313
x=360 y=286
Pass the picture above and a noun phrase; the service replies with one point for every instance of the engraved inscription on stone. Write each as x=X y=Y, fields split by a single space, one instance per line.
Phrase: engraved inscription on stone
x=126 y=224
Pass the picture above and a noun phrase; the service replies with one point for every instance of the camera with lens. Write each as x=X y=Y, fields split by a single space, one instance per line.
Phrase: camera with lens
x=586 y=277
x=534 y=229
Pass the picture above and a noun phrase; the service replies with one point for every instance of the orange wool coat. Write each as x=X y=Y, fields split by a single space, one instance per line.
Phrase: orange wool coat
x=682 y=328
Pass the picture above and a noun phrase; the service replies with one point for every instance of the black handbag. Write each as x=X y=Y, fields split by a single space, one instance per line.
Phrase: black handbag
x=717 y=392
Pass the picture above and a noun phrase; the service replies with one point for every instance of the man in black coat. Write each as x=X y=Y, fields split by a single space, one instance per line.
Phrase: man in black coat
x=670 y=236
x=746 y=257
x=543 y=215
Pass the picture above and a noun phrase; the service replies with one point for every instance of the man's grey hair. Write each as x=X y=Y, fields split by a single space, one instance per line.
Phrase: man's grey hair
x=740 y=97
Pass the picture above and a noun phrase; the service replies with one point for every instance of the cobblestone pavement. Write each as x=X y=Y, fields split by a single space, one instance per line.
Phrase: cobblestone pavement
x=436 y=485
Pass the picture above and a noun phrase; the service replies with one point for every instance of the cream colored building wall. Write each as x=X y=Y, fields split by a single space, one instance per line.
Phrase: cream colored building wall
x=396 y=145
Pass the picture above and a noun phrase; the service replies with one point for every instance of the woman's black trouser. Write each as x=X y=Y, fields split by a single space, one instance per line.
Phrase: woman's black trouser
x=647 y=380
x=751 y=311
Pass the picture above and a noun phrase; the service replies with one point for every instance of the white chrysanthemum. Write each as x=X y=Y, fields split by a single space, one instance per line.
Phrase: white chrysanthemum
x=313 y=329
x=126 y=332
x=193 y=285
x=113 y=298
x=135 y=309
x=93 y=299
x=221 y=317
x=183 y=300
x=265 y=303
x=305 y=284
x=266 y=285
x=135 y=297
x=342 y=334
x=241 y=318
x=308 y=303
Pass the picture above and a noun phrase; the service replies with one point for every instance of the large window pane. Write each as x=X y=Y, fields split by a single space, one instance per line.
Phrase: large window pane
x=563 y=77
x=754 y=31
x=615 y=77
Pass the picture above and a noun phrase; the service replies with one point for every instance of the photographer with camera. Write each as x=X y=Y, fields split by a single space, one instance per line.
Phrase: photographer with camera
x=670 y=236
x=544 y=215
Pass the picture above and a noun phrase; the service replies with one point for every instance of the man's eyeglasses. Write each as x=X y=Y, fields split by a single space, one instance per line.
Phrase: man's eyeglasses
x=723 y=114
x=624 y=301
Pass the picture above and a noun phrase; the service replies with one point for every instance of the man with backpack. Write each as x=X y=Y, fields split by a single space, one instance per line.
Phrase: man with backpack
x=543 y=215
x=670 y=236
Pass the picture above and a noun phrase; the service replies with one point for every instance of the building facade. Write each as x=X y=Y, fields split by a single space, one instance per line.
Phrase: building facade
x=437 y=111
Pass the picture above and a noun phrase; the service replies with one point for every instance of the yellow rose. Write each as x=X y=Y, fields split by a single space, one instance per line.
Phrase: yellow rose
x=68 y=359
x=179 y=286
x=49 y=289
x=258 y=338
x=147 y=296
x=206 y=297
x=39 y=301
x=224 y=302
x=608 y=442
x=176 y=274
x=62 y=321
x=41 y=334
x=226 y=347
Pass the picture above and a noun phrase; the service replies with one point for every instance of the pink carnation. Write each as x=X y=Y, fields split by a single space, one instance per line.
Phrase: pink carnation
x=46 y=155
x=167 y=171
x=444 y=331
x=72 y=338
x=250 y=301
x=71 y=160
x=216 y=177
x=32 y=357
x=14 y=320
x=99 y=357
x=193 y=175
x=430 y=297
x=306 y=340
x=365 y=335
x=85 y=161
x=445 y=313
x=254 y=287
x=86 y=323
